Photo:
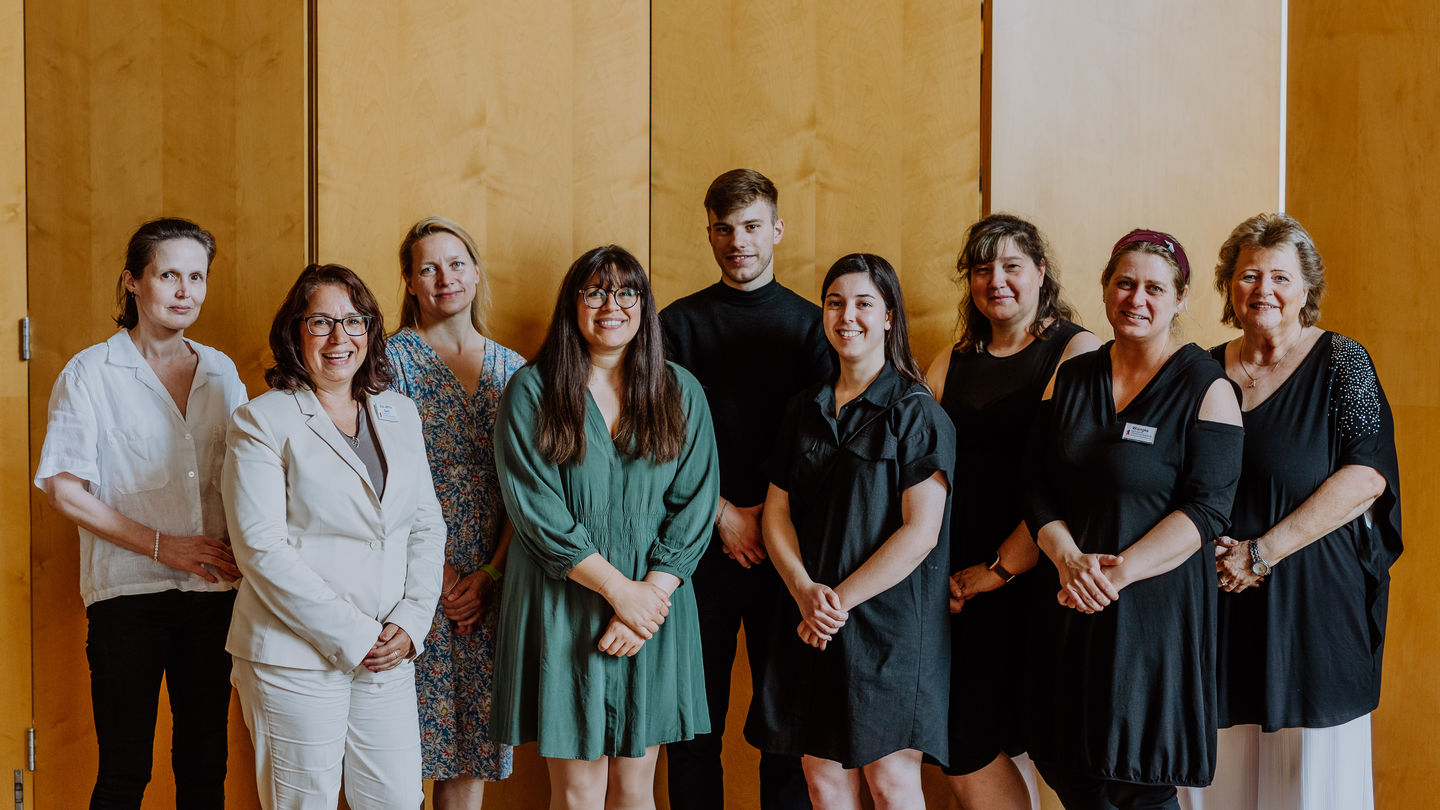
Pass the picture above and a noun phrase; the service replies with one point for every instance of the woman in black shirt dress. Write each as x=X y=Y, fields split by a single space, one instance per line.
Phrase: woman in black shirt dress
x=1016 y=332
x=856 y=678
x=1315 y=528
x=1135 y=461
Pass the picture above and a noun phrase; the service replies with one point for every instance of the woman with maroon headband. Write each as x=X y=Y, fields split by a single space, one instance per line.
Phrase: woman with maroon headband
x=1133 y=466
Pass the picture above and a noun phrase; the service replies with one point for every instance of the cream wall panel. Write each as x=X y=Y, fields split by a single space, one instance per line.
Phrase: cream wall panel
x=1148 y=115
x=866 y=116
x=164 y=107
x=527 y=122
x=1364 y=148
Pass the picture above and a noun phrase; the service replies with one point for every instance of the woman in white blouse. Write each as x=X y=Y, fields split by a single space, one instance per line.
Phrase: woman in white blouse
x=132 y=455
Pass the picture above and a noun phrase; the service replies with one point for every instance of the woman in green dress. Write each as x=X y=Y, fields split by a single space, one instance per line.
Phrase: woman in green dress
x=607 y=464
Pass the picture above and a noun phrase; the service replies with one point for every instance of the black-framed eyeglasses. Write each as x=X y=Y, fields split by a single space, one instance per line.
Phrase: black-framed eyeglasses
x=322 y=325
x=594 y=297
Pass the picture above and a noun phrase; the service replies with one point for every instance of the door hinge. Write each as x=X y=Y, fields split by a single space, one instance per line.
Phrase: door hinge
x=30 y=749
x=19 y=789
x=25 y=338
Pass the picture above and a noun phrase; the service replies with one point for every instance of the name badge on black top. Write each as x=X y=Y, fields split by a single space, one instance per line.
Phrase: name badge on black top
x=1144 y=434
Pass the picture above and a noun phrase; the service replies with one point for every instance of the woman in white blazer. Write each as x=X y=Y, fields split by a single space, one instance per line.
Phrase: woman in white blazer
x=340 y=539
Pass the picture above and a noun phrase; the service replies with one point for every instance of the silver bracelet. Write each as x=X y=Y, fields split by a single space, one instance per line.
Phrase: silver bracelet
x=724 y=504
x=155 y=555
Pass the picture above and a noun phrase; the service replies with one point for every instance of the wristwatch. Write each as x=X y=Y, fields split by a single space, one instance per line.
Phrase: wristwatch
x=1258 y=566
x=1005 y=576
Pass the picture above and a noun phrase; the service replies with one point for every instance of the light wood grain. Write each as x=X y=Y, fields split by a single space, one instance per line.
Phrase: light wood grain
x=867 y=118
x=526 y=122
x=1364 y=161
x=16 y=713
x=164 y=107
x=1145 y=115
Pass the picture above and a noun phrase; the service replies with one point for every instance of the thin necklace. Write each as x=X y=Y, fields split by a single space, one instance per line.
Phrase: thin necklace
x=1264 y=369
x=355 y=440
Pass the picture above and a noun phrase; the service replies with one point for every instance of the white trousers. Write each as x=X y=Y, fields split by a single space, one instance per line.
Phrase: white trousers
x=310 y=726
x=1290 y=769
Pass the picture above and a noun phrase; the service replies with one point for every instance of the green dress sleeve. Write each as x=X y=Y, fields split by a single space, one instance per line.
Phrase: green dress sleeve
x=694 y=493
x=531 y=486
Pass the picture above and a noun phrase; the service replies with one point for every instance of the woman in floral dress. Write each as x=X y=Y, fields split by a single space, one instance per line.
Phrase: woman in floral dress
x=455 y=374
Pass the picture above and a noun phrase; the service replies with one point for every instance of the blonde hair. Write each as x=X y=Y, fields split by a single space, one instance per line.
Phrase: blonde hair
x=429 y=226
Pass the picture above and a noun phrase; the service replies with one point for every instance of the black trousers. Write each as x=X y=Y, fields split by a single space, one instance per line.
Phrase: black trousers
x=728 y=597
x=133 y=641
x=1081 y=791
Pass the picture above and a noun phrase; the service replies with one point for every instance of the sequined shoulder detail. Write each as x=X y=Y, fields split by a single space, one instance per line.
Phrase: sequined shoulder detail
x=1355 y=392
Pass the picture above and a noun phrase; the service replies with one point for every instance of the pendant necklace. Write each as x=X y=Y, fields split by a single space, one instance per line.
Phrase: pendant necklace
x=355 y=440
x=1265 y=369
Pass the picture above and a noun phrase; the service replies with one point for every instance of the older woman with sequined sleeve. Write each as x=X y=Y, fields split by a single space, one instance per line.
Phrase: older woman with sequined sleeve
x=1304 y=572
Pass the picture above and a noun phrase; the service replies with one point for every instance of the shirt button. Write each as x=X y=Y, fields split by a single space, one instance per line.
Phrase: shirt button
x=191 y=473
x=187 y=437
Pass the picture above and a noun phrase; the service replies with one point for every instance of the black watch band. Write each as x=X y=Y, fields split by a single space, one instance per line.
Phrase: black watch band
x=1005 y=576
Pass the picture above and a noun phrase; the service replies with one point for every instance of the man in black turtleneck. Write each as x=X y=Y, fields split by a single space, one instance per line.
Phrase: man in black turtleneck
x=753 y=344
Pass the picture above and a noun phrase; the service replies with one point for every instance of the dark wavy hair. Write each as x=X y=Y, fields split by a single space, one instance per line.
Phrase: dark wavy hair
x=141 y=252
x=982 y=246
x=1268 y=231
x=883 y=276
x=289 y=372
x=652 y=421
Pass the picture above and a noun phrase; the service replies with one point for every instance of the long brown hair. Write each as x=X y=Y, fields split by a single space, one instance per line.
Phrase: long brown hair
x=652 y=419
x=289 y=372
x=982 y=246
x=883 y=276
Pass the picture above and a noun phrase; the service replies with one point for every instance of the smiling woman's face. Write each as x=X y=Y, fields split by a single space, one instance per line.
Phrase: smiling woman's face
x=332 y=360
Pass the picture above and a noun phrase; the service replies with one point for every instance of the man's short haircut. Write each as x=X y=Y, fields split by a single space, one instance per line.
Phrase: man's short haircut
x=739 y=188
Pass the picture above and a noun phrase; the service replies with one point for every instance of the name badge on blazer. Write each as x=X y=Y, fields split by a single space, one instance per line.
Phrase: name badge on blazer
x=385 y=412
x=1144 y=434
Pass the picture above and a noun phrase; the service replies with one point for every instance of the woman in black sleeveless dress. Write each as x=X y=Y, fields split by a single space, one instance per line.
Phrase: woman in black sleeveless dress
x=1015 y=332
x=1134 y=465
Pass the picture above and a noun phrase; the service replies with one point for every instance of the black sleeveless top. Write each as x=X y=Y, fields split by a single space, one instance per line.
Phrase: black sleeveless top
x=992 y=401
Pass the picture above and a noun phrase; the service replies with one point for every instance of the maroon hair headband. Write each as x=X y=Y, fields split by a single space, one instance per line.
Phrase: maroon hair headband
x=1164 y=240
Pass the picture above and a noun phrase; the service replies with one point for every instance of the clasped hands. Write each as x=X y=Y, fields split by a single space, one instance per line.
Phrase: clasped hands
x=1085 y=583
x=822 y=614
x=390 y=648
x=640 y=608
x=464 y=599
x=1232 y=565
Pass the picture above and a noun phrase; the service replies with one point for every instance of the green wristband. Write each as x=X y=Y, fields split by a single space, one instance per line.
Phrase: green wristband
x=495 y=573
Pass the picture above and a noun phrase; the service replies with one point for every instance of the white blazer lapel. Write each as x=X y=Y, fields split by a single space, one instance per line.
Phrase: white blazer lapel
x=319 y=421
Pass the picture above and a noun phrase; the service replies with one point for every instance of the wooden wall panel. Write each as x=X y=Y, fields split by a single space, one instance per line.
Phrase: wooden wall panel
x=1364 y=163
x=1148 y=115
x=15 y=697
x=164 y=107
x=866 y=116
x=527 y=122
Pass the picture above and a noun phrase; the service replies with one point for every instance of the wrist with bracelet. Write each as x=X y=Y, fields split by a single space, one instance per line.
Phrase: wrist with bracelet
x=720 y=515
x=1000 y=570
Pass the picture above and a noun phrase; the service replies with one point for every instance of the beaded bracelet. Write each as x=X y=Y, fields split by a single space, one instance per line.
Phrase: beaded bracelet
x=155 y=555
